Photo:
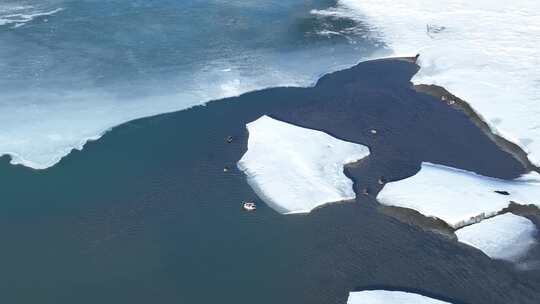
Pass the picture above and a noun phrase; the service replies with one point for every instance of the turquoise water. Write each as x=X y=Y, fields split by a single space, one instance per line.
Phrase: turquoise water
x=146 y=214
x=92 y=65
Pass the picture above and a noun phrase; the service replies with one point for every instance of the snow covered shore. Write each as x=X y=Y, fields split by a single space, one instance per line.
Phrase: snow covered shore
x=484 y=52
x=459 y=197
x=387 y=297
x=294 y=169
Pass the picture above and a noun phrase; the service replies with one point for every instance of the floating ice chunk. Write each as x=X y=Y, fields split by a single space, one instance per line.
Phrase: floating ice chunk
x=389 y=297
x=459 y=197
x=294 y=169
x=507 y=236
x=485 y=52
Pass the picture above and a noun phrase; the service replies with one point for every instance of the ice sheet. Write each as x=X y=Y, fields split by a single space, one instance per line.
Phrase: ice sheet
x=459 y=197
x=294 y=169
x=506 y=236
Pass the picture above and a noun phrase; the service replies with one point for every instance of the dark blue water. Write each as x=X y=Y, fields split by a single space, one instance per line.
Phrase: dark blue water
x=146 y=214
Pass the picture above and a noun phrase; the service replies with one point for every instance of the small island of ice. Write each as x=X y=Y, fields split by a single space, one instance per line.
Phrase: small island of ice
x=506 y=237
x=459 y=197
x=389 y=297
x=294 y=169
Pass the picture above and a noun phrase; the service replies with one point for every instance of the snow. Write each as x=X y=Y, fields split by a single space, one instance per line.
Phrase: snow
x=389 y=297
x=294 y=169
x=459 y=197
x=507 y=236
x=485 y=52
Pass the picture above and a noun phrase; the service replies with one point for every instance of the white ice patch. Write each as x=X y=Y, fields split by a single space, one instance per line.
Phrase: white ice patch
x=485 y=52
x=43 y=127
x=459 y=197
x=506 y=237
x=294 y=169
x=389 y=297
x=46 y=133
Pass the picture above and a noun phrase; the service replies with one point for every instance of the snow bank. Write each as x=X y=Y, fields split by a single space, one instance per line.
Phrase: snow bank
x=389 y=297
x=485 y=52
x=506 y=236
x=459 y=197
x=294 y=169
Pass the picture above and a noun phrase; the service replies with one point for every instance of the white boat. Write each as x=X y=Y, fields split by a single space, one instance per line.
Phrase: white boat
x=249 y=206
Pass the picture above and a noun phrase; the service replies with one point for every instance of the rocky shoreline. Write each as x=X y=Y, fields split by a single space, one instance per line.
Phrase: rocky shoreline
x=456 y=102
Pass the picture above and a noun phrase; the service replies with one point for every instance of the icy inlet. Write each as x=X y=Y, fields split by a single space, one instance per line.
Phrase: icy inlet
x=294 y=169
x=459 y=197
x=387 y=297
x=484 y=52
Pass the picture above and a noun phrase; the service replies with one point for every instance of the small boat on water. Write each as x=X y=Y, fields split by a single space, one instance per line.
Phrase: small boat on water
x=249 y=206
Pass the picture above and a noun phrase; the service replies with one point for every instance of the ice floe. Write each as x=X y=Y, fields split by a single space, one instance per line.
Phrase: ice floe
x=485 y=52
x=506 y=236
x=389 y=297
x=294 y=169
x=459 y=197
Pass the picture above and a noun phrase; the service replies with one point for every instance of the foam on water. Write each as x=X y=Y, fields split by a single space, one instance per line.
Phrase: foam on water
x=17 y=15
x=485 y=52
x=89 y=66
x=20 y=19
